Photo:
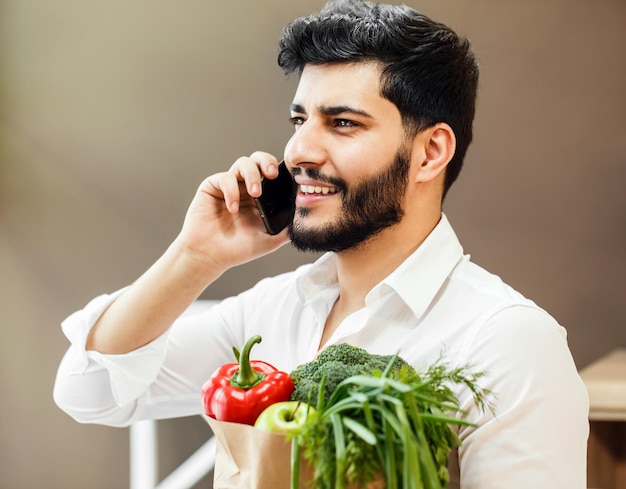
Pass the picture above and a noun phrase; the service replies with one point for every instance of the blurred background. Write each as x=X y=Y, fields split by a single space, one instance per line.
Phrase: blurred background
x=111 y=113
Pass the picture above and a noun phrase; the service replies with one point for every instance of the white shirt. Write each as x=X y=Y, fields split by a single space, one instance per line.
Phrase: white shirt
x=437 y=302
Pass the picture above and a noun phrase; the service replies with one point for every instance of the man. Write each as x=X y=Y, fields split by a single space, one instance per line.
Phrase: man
x=383 y=117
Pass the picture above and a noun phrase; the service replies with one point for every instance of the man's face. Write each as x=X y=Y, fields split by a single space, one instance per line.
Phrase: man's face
x=349 y=155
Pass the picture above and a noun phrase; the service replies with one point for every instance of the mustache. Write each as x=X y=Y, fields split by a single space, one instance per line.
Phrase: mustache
x=315 y=174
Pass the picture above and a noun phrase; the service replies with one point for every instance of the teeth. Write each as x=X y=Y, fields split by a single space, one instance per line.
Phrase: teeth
x=310 y=189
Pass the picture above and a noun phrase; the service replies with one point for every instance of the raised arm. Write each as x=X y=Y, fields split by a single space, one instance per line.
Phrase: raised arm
x=222 y=229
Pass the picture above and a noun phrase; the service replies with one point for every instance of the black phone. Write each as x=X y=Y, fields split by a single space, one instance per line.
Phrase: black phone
x=277 y=202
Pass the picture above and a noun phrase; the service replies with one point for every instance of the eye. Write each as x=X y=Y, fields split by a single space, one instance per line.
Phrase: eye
x=296 y=120
x=345 y=123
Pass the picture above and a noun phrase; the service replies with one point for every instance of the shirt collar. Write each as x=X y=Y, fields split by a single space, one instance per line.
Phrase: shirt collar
x=317 y=278
x=416 y=281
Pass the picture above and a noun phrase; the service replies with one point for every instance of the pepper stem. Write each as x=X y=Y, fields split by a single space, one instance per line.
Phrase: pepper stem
x=246 y=377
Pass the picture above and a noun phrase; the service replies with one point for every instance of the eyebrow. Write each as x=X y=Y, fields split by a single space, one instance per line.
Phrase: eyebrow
x=332 y=110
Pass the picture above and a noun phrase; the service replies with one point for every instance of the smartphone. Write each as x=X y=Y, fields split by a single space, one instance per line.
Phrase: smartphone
x=277 y=202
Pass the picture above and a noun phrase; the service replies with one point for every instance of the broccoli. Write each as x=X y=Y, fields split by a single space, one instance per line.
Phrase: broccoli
x=337 y=363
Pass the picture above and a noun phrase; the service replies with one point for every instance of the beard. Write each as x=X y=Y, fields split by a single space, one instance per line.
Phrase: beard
x=372 y=205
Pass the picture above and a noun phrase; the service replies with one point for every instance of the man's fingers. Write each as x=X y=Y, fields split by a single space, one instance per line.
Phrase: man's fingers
x=267 y=162
x=243 y=179
x=224 y=185
x=251 y=169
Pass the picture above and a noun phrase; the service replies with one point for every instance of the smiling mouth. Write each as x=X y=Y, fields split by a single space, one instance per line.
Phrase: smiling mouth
x=311 y=189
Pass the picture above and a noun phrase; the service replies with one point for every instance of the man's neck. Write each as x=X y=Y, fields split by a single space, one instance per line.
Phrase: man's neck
x=360 y=269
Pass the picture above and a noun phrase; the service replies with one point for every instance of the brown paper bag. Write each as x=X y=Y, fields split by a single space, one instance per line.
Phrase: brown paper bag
x=249 y=458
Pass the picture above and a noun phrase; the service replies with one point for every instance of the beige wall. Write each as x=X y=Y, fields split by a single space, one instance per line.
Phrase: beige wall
x=112 y=112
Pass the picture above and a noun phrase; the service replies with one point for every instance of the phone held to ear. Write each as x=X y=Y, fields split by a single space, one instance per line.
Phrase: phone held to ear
x=277 y=202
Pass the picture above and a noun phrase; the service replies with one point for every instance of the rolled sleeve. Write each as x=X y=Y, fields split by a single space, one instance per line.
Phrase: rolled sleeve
x=77 y=326
x=111 y=380
x=132 y=373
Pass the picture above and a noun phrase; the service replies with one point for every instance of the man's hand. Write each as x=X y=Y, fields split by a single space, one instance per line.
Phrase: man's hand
x=222 y=227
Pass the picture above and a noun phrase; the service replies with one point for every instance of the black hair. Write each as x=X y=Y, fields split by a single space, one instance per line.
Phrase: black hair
x=427 y=70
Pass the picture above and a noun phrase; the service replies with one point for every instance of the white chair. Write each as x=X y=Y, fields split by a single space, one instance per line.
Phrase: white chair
x=144 y=450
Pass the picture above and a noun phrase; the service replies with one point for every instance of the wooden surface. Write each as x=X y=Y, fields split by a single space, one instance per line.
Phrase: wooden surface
x=606 y=456
x=606 y=384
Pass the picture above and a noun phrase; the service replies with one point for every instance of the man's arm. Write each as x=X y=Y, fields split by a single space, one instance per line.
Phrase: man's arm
x=222 y=229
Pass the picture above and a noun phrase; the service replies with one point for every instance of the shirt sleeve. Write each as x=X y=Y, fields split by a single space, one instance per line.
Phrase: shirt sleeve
x=536 y=435
x=91 y=386
x=162 y=379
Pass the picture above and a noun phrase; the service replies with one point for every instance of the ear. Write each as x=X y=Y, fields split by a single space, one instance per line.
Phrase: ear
x=435 y=148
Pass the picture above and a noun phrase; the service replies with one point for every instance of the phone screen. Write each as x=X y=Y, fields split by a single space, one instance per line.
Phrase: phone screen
x=277 y=201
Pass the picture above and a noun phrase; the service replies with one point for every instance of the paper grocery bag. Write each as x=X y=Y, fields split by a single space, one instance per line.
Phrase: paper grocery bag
x=250 y=458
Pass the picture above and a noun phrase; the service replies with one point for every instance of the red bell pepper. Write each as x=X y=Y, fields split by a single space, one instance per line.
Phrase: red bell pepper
x=239 y=392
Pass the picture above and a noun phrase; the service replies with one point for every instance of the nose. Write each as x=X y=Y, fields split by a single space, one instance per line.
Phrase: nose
x=306 y=147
